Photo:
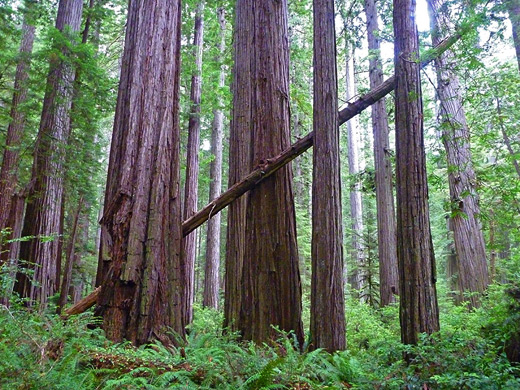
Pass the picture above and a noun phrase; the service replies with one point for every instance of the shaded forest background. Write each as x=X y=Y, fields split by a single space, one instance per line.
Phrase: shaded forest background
x=473 y=189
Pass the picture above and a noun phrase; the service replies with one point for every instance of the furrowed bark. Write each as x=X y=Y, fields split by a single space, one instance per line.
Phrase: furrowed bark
x=249 y=181
x=473 y=274
x=386 y=223
x=43 y=214
x=327 y=326
x=418 y=312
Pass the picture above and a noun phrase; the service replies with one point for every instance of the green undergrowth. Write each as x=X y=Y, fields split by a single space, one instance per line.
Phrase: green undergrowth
x=45 y=352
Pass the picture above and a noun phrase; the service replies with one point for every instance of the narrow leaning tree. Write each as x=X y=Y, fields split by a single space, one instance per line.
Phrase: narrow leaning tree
x=418 y=298
x=513 y=8
x=141 y=295
x=473 y=277
x=327 y=302
x=271 y=290
x=386 y=225
x=44 y=212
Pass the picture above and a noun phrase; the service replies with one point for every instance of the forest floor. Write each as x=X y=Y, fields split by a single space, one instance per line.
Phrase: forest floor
x=45 y=352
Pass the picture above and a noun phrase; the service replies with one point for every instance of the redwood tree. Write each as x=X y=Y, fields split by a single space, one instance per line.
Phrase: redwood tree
x=15 y=130
x=386 y=224
x=470 y=246
x=270 y=291
x=44 y=211
x=416 y=260
x=327 y=302
x=142 y=293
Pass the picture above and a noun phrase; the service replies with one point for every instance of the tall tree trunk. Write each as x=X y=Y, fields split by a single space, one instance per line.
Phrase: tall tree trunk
x=418 y=297
x=357 y=275
x=43 y=214
x=239 y=160
x=386 y=225
x=270 y=291
x=142 y=294
x=192 y=164
x=211 y=272
x=467 y=231
x=513 y=8
x=15 y=130
x=327 y=302
x=69 y=259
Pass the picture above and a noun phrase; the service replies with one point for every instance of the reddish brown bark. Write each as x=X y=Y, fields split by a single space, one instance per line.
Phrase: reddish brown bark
x=239 y=159
x=43 y=214
x=386 y=224
x=15 y=130
x=467 y=230
x=211 y=271
x=327 y=302
x=69 y=259
x=418 y=299
x=142 y=293
x=270 y=291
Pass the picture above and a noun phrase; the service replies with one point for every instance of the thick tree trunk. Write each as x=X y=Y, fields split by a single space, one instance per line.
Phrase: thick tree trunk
x=69 y=259
x=467 y=231
x=327 y=302
x=15 y=130
x=513 y=7
x=233 y=195
x=386 y=225
x=272 y=165
x=211 y=272
x=357 y=277
x=142 y=295
x=270 y=291
x=43 y=214
x=191 y=191
x=418 y=298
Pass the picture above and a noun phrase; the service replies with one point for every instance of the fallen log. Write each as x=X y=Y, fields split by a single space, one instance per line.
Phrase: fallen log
x=272 y=165
x=84 y=304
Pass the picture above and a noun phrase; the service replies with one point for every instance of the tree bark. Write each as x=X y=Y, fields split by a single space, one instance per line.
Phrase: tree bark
x=270 y=291
x=386 y=224
x=69 y=259
x=467 y=230
x=211 y=272
x=251 y=179
x=192 y=163
x=418 y=298
x=143 y=292
x=357 y=277
x=327 y=302
x=232 y=196
x=15 y=130
x=239 y=159
x=43 y=214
